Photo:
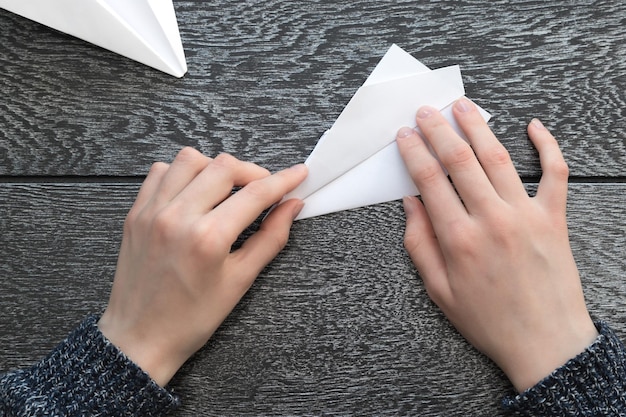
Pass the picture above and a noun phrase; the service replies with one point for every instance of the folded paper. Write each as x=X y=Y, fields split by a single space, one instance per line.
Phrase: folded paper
x=143 y=30
x=356 y=162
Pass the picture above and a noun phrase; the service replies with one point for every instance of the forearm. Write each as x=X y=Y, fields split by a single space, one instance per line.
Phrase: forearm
x=84 y=375
x=591 y=384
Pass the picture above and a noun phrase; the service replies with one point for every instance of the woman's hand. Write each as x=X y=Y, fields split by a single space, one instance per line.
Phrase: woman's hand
x=496 y=261
x=177 y=278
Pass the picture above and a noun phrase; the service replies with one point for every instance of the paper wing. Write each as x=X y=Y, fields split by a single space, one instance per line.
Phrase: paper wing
x=143 y=30
x=382 y=176
x=396 y=63
x=370 y=120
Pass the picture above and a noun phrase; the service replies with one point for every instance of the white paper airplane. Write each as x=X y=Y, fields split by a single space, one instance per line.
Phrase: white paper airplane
x=142 y=30
x=356 y=162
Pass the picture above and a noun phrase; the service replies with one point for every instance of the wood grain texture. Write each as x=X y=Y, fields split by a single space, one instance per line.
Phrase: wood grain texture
x=338 y=324
x=266 y=78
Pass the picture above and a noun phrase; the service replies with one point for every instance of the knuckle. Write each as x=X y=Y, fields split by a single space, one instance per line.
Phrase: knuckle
x=209 y=240
x=504 y=229
x=136 y=220
x=560 y=169
x=165 y=224
x=428 y=172
x=411 y=242
x=226 y=166
x=191 y=157
x=158 y=167
x=461 y=238
x=459 y=154
x=225 y=160
x=498 y=155
x=501 y=228
x=188 y=154
x=257 y=189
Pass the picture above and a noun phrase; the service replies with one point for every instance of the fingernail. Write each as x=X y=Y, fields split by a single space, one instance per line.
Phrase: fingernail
x=424 y=112
x=405 y=132
x=298 y=167
x=297 y=208
x=408 y=202
x=463 y=105
x=537 y=123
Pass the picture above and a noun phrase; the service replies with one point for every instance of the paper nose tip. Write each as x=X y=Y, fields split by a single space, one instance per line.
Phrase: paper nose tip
x=177 y=67
x=180 y=70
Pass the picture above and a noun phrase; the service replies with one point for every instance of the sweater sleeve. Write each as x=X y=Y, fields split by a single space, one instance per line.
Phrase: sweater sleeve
x=85 y=375
x=591 y=384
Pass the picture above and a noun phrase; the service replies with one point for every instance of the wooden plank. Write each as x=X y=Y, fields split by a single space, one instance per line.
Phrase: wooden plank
x=339 y=324
x=267 y=78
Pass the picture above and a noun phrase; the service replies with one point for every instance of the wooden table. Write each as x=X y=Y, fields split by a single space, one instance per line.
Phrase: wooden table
x=339 y=323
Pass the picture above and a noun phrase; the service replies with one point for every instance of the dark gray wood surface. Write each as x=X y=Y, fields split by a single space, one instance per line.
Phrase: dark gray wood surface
x=339 y=323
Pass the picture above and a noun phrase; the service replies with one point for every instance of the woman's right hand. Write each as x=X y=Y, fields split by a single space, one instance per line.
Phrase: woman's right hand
x=497 y=262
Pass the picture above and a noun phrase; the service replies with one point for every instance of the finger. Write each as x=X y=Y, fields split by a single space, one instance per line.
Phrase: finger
x=187 y=164
x=458 y=158
x=216 y=181
x=150 y=184
x=242 y=208
x=423 y=247
x=494 y=158
x=553 y=184
x=259 y=249
x=440 y=199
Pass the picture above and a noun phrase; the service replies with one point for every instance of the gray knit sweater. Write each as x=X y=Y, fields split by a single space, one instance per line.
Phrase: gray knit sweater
x=85 y=375
x=88 y=376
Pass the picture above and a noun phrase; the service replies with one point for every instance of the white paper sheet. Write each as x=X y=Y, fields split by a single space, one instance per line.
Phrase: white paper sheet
x=356 y=162
x=143 y=30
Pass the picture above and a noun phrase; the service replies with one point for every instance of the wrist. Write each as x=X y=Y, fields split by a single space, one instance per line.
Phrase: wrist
x=538 y=358
x=149 y=355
